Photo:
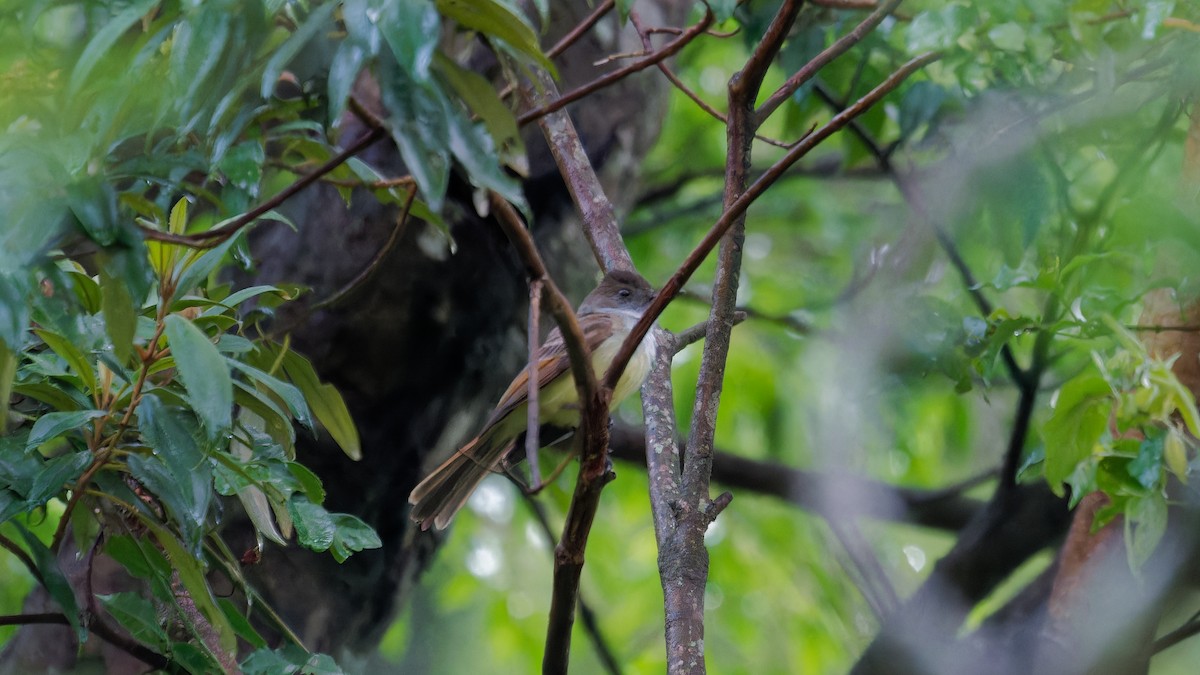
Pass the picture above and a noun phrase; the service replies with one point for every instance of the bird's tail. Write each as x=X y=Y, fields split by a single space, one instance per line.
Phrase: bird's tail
x=436 y=499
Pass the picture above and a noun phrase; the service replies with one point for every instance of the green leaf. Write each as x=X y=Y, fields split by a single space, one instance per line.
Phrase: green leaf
x=177 y=472
x=315 y=528
x=242 y=165
x=497 y=21
x=482 y=99
x=1073 y=430
x=241 y=625
x=287 y=661
x=204 y=373
x=95 y=207
x=318 y=19
x=136 y=615
x=120 y=316
x=419 y=127
x=919 y=106
x=326 y=403
x=1147 y=467
x=289 y=394
x=412 y=30
x=308 y=482
x=1145 y=524
x=14 y=309
x=191 y=575
x=1009 y=37
x=347 y=63
x=193 y=659
x=52 y=579
x=55 y=424
x=473 y=148
x=352 y=535
x=1175 y=454
x=103 y=40
x=54 y=476
x=72 y=355
x=143 y=561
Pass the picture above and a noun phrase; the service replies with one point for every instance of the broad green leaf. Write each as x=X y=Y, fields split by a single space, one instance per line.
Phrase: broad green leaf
x=326 y=403
x=52 y=579
x=103 y=40
x=136 y=615
x=193 y=659
x=412 y=30
x=243 y=164
x=482 y=99
x=120 y=316
x=497 y=21
x=343 y=73
x=95 y=207
x=351 y=536
x=308 y=482
x=289 y=394
x=1147 y=467
x=14 y=309
x=419 y=127
x=1073 y=430
x=315 y=528
x=473 y=148
x=54 y=476
x=74 y=357
x=178 y=471
x=204 y=373
x=1145 y=524
x=8 y=371
x=241 y=625
x=55 y=424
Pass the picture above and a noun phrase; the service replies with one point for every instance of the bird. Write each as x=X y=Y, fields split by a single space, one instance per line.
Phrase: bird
x=606 y=317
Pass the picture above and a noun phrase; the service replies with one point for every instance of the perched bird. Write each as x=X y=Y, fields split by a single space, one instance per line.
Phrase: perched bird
x=606 y=316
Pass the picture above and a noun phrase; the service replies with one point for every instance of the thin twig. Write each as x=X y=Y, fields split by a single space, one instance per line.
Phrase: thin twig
x=841 y=46
x=668 y=50
x=579 y=30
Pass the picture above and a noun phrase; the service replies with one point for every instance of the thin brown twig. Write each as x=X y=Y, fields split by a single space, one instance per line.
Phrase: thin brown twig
x=12 y=547
x=579 y=30
x=687 y=91
x=607 y=79
x=841 y=46
x=364 y=275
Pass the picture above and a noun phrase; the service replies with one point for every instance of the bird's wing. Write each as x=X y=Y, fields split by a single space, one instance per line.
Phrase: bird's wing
x=552 y=361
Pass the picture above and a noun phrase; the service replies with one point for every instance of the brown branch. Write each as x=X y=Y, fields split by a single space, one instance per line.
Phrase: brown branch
x=668 y=50
x=593 y=437
x=599 y=220
x=100 y=628
x=20 y=554
x=532 y=413
x=841 y=46
x=215 y=236
x=673 y=285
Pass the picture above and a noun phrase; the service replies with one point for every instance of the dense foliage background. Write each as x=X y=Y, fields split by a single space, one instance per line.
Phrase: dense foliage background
x=945 y=297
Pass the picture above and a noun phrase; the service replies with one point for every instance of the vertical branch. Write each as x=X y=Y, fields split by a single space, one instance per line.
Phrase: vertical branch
x=532 y=412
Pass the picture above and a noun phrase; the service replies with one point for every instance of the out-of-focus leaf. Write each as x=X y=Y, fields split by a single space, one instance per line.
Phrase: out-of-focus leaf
x=136 y=615
x=1147 y=467
x=1175 y=454
x=920 y=104
x=482 y=99
x=14 y=309
x=178 y=471
x=95 y=207
x=242 y=165
x=474 y=150
x=1145 y=523
x=204 y=374
x=55 y=424
x=103 y=40
x=194 y=659
x=1080 y=417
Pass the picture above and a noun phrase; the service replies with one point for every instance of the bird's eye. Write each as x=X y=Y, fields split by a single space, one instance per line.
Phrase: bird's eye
x=624 y=292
